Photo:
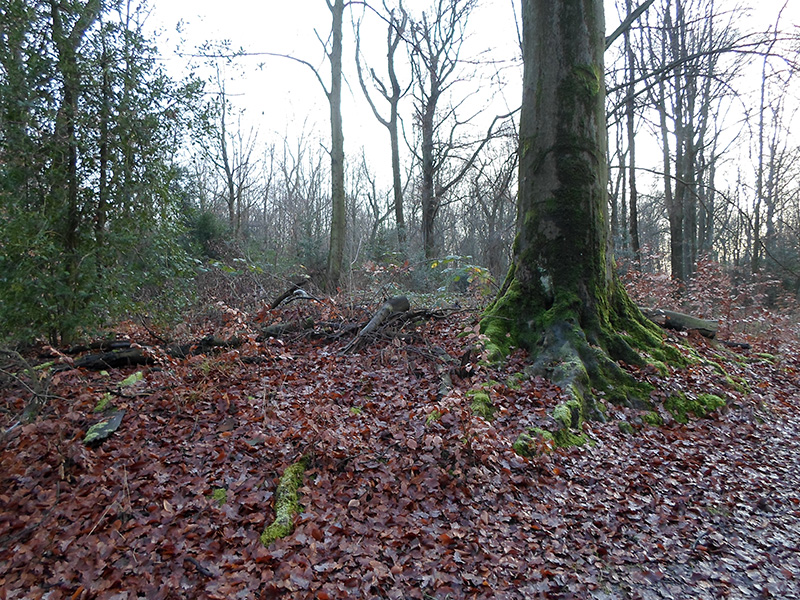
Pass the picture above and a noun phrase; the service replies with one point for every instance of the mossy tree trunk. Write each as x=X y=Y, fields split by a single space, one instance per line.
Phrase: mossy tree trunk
x=561 y=299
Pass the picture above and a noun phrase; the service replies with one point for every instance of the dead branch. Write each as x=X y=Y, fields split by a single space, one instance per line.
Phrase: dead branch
x=669 y=319
x=394 y=305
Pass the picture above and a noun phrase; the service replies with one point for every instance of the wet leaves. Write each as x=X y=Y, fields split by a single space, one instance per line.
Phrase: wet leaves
x=396 y=504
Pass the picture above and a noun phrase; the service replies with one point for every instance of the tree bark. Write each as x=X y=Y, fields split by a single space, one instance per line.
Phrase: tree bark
x=631 y=130
x=430 y=200
x=561 y=299
x=338 y=208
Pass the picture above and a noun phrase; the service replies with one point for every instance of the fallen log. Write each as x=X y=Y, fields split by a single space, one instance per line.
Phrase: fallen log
x=287 y=504
x=669 y=319
x=394 y=305
x=277 y=330
x=208 y=343
x=101 y=346
x=128 y=357
x=111 y=360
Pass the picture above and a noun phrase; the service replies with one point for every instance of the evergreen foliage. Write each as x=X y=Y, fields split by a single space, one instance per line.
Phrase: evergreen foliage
x=89 y=128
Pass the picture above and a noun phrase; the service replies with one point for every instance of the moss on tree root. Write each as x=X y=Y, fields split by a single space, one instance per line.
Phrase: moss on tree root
x=575 y=354
x=287 y=504
x=701 y=405
x=578 y=349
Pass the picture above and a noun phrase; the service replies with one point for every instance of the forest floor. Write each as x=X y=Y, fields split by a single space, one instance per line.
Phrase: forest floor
x=408 y=494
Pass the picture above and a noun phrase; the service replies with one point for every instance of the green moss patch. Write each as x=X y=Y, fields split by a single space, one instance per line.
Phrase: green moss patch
x=481 y=404
x=533 y=442
x=536 y=440
x=219 y=495
x=626 y=427
x=287 y=503
x=652 y=418
x=132 y=379
x=433 y=416
x=103 y=403
x=702 y=405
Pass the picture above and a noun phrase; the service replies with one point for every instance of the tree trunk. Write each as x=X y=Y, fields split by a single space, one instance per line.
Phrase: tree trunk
x=397 y=184
x=561 y=299
x=230 y=184
x=65 y=186
x=339 y=208
x=397 y=27
x=394 y=36
x=674 y=206
x=629 y=114
x=430 y=203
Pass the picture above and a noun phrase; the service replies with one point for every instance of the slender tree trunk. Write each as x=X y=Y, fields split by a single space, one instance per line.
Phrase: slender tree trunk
x=397 y=182
x=674 y=198
x=430 y=206
x=689 y=175
x=64 y=190
x=706 y=155
x=394 y=36
x=755 y=261
x=630 y=115
x=105 y=117
x=674 y=214
x=338 y=205
x=230 y=184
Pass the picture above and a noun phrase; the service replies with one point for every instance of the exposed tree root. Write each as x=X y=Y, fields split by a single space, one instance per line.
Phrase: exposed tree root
x=578 y=346
x=568 y=360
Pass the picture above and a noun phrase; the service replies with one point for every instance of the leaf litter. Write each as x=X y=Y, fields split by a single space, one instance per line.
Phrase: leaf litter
x=408 y=494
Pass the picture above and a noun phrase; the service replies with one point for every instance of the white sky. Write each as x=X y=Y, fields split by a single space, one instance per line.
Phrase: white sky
x=283 y=98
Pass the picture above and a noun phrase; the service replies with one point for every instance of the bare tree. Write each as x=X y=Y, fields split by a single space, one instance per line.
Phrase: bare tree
x=332 y=47
x=686 y=83
x=436 y=42
x=338 y=202
x=765 y=175
x=391 y=93
x=630 y=118
x=231 y=153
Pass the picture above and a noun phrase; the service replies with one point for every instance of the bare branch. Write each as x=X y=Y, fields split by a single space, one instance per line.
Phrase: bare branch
x=635 y=14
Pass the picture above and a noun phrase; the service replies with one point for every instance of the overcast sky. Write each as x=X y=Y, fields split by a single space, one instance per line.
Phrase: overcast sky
x=283 y=98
